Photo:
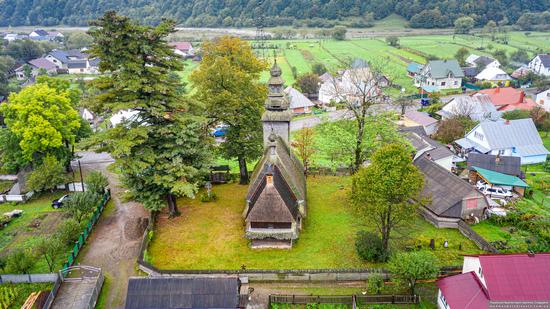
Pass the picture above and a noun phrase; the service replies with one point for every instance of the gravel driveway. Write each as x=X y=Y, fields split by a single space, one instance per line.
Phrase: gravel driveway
x=114 y=244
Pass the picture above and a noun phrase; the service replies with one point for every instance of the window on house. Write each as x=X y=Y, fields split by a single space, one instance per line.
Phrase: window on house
x=269 y=179
x=443 y=301
x=471 y=204
x=442 y=83
x=456 y=82
x=501 y=152
x=478 y=135
x=480 y=272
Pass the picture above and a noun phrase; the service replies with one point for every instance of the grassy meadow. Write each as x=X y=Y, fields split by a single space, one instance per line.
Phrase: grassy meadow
x=210 y=235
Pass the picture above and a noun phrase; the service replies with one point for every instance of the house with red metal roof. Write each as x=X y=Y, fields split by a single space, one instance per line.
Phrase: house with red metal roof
x=508 y=98
x=498 y=281
x=183 y=49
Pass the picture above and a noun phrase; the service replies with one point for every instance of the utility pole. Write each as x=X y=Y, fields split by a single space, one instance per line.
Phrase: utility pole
x=81 y=177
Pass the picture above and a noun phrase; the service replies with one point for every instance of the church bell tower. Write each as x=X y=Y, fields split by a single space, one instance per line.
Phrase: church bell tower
x=277 y=115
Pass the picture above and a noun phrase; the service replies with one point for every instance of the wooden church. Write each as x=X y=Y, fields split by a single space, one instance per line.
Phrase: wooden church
x=276 y=198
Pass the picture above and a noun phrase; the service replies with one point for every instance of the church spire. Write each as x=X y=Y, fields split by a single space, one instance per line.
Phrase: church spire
x=277 y=115
x=276 y=99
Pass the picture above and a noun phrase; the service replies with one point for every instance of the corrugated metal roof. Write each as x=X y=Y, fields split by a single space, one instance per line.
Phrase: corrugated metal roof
x=163 y=292
x=513 y=133
x=297 y=99
x=532 y=150
x=463 y=291
x=421 y=118
x=442 y=68
x=517 y=277
x=497 y=178
x=505 y=164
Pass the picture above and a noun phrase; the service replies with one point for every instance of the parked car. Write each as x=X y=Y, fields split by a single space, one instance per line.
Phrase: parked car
x=58 y=203
x=496 y=211
x=481 y=185
x=497 y=192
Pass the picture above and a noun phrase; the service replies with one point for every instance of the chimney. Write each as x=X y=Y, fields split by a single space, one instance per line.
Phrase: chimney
x=507 y=122
x=497 y=159
x=521 y=96
x=497 y=89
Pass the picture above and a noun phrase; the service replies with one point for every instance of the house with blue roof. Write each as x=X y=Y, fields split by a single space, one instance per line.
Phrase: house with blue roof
x=414 y=69
x=74 y=61
x=518 y=138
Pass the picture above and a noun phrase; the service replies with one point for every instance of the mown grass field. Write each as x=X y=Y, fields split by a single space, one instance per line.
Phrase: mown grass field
x=210 y=235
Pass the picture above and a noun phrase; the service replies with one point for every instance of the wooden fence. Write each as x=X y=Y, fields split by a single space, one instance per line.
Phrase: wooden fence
x=467 y=231
x=350 y=300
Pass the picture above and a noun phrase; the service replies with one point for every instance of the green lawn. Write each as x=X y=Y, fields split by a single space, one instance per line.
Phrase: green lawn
x=39 y=219
x=210 y=235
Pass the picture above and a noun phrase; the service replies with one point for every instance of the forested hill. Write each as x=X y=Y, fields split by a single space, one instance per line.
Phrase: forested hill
x=242 y=13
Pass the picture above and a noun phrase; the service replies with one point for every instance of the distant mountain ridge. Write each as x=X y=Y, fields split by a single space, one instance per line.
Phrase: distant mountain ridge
x=243 y=13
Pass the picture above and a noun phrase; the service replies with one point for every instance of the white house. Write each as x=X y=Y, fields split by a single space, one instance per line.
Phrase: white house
x=299 y=103
x=443 y=74
x=122 y=116
x=39 y=35
x=543 y=99
x=518 y=138
x=494 y=76
x=541 y=64
x=36 y=66
x=74 y=61
x=350 y=85
x=478 y=108
x=482 y=61
x=498 y=281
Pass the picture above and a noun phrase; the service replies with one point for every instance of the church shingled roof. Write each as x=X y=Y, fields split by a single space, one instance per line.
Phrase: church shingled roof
x=288 y=175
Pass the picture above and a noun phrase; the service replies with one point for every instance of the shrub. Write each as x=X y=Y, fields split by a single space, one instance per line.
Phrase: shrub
x=409 y=267
x=96 y=182
x=205 y=198
x=20 y=261
x=370 y=247
x=375 y=283
x=81 y=205
x=69 y=231
x=47 y=175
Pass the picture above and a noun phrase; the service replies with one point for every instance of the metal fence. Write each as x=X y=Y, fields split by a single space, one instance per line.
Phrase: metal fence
x=28 y=278
x=87 y=231
x=350 y=300
x=16 y=197
x=53 y=293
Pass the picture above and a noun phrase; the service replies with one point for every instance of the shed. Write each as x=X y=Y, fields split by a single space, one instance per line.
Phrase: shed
x=503 y=180
x=182 y=292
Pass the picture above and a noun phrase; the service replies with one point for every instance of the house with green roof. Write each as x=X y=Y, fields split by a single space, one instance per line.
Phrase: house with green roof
x=505 y=181
x=443 y=74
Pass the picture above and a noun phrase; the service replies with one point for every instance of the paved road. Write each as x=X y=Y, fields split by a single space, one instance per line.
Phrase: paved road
x=311 y=121
x=114 y=244
x=75 y=295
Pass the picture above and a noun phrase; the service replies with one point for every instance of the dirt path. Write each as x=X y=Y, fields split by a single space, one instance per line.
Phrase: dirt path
x=114 y=244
